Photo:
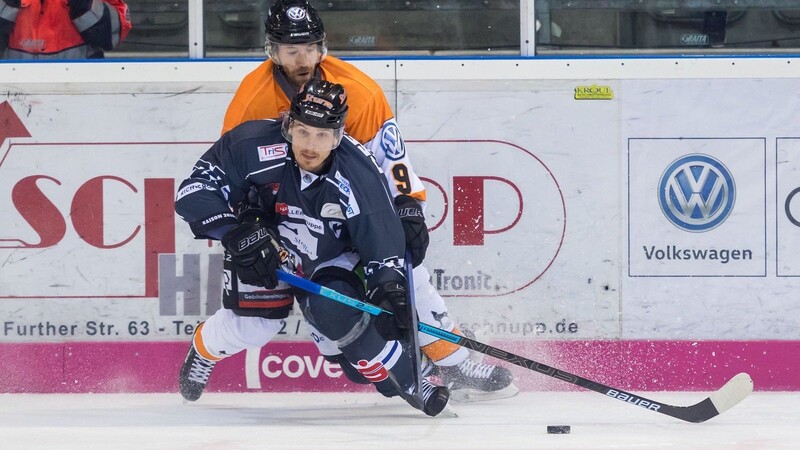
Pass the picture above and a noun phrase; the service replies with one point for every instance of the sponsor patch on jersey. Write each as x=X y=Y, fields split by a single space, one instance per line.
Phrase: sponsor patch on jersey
x=343 y=183
x=299 y=236
x=391 y=142
x=331 y=211
x=351 y=209
x=271 y=152
x=314 y=225
x=282 y=209
x=295 y=212
x=190 y=189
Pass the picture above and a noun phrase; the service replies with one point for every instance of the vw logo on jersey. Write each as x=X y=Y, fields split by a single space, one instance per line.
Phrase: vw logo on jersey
x=391 y=143
x=696 y=193
x=296 y=13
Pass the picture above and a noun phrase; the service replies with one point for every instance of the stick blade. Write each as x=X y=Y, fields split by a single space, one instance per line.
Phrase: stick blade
x=733 y=392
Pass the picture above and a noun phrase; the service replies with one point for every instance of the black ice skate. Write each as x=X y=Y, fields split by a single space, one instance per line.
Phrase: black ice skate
x=473 y=381
x=435 y=398
x=194 y=374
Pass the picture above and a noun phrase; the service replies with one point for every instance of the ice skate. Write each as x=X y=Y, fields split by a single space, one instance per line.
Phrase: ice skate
x=436 y=400
x=472 y=381
x=194 y=374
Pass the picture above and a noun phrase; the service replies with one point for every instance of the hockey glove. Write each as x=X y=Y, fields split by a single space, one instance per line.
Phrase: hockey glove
x=393 y=297
x=255 y=254
x=413 y=220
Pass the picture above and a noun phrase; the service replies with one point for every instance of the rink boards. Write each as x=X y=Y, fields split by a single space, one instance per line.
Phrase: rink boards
x=624 y=212
x=100 y=367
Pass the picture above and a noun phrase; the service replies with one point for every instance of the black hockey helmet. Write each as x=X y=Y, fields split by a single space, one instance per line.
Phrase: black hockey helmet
x=321 y=104
x=293 y=22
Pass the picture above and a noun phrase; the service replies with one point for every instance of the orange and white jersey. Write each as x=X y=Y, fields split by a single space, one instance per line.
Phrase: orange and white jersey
x=265 y=93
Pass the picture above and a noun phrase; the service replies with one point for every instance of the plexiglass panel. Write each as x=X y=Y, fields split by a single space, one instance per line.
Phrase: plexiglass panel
x=652 y=26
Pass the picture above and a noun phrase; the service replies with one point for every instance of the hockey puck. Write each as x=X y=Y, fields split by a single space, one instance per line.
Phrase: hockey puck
x=558 y=429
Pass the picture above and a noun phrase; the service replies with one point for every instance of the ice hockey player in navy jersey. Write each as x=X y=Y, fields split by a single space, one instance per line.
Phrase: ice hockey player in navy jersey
x=324 y=211
x=297 y=49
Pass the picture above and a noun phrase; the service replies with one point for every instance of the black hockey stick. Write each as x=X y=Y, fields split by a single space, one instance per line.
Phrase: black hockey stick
x=726 y=397
x=413 y=340
x=414 y=399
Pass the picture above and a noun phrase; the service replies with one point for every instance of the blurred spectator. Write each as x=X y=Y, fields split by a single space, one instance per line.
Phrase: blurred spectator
x=61 y=29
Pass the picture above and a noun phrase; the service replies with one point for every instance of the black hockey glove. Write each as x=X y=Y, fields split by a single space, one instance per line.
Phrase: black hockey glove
x=413 y=220
x=255 y=253
x=393 y=297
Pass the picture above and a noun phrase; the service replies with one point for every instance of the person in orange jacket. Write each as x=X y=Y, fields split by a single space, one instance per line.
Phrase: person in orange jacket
x=61 y=29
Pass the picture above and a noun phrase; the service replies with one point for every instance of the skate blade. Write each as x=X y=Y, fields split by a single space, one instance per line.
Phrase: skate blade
x=474 y=395
x=185 y=401
x=448 y=412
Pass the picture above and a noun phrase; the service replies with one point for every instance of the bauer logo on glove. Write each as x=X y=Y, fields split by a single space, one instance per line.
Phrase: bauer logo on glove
x=260 y=234
x=255 y=254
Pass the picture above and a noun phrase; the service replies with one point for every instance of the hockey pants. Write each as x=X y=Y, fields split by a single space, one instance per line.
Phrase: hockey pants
x=355 y=336
x=226 y=333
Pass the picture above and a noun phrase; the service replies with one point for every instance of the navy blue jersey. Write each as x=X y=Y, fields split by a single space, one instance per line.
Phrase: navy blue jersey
x=339 y=218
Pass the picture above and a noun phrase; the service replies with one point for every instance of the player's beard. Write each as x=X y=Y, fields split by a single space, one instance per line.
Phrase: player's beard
x=300 y=75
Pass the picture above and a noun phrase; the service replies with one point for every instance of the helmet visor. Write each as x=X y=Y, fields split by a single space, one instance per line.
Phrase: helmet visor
x=296 y=54
x=310 y=136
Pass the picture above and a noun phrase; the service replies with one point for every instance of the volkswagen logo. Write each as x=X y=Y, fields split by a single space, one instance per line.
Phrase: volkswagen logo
x=696 y=193
x=296 y=13
x=392 y=143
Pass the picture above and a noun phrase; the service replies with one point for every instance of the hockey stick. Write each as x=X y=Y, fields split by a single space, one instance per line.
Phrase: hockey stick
x=413 y=340
x=416 y=399
x=726 y=397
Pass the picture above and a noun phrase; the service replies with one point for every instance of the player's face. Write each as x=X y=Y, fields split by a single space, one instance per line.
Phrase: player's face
x=311 y=146
x=298 y=61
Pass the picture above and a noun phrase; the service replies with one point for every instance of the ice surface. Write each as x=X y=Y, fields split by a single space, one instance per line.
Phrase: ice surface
x=765 y=420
